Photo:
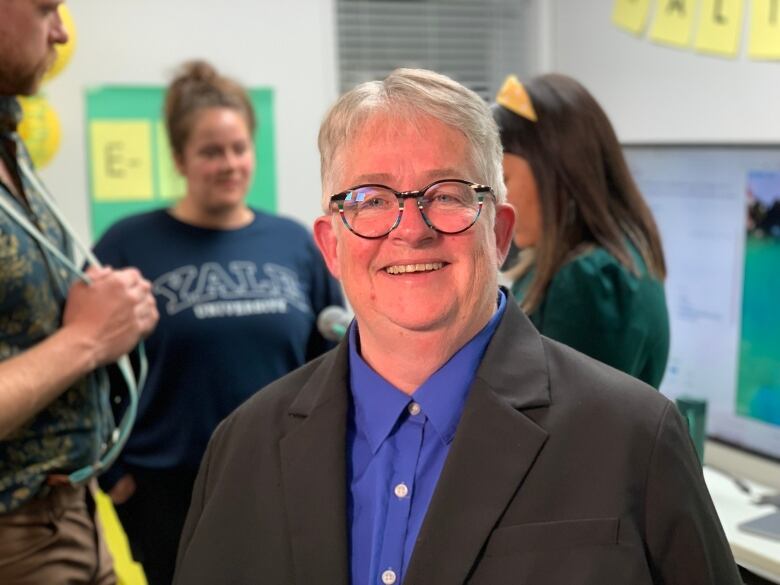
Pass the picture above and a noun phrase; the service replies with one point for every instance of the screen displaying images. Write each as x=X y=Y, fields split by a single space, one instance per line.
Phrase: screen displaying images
x=718 y=210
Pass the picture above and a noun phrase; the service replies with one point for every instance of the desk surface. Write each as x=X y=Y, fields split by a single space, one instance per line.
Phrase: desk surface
x=757 y=554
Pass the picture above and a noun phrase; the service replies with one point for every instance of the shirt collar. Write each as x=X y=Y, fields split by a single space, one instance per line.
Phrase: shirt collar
x=379 y=404
x=10 y=114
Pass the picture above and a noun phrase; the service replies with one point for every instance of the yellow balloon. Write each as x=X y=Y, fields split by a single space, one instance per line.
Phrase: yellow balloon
x=64 y=52
x=39 y=129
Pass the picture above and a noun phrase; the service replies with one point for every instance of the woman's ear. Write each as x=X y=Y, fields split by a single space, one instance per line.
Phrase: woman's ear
x=504 y=230
x=327 y=241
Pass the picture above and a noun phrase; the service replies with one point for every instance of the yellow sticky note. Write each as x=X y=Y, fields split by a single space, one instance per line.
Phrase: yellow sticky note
x=121 y=160
x=673 y=22
x=172 y=184
x=765 y=29
x=720 y=26
x=631 y=15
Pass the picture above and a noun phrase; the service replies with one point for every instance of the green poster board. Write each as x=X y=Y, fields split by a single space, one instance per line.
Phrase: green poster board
x=130 y=165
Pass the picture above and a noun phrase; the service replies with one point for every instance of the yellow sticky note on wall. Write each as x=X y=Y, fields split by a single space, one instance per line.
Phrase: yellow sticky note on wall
x=631 y=15
x=720 y=25
x=673 y=22
x=765 y=29
x=172 y=184
x=121 y=154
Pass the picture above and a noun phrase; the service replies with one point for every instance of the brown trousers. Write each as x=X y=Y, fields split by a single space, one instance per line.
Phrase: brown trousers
x=55 y=540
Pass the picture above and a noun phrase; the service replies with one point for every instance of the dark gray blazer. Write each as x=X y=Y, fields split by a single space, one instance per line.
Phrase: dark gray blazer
x=562 y=471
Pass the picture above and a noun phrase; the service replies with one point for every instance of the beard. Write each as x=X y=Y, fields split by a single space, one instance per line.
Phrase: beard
x=24 y=80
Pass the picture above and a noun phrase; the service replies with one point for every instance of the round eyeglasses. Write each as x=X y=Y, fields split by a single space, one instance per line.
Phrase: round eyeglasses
x=449 y=206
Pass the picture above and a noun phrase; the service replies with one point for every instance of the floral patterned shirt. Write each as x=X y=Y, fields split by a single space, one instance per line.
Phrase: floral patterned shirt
x=71 y=431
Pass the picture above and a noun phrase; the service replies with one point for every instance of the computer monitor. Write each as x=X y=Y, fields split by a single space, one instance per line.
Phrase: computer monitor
x=718 y=211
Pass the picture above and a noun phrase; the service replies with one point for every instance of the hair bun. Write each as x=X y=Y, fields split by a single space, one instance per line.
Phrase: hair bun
x=197 y=71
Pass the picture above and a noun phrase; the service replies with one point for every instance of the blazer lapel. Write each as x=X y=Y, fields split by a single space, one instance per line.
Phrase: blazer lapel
x=313 y=465
x=494 y=448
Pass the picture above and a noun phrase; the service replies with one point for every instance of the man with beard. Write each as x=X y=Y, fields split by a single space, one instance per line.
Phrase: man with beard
x=54 y=337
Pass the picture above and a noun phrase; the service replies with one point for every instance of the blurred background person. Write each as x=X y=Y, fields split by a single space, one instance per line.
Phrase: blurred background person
x=591 y=268
x=238 y=292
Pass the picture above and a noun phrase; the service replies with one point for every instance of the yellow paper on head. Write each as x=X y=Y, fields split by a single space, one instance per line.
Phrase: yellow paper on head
x=673 y=22
x=515 y=98
x=631 y=15
x=765 y=29
x=122 y=160
x=720 y=25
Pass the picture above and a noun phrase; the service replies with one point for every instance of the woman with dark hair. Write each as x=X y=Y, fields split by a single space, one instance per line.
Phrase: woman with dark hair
x=591 y=268
x=238 y=292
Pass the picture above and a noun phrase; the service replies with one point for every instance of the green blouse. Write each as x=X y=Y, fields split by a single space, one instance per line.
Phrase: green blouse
x=601 y=308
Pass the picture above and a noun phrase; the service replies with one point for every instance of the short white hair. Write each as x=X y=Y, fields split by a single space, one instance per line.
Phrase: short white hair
x=408 y=94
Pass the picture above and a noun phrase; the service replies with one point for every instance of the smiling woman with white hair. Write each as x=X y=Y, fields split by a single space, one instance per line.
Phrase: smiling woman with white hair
x=444 y=441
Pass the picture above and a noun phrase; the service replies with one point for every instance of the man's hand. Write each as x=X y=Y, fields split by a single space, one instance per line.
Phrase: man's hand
x=102 y=321
x=112 y=313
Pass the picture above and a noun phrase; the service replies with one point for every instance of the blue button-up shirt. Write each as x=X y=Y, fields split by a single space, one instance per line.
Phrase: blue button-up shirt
x=396 y=447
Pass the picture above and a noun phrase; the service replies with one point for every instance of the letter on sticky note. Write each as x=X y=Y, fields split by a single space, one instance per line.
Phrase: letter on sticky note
x=765 y=29
x=720 y=26
x=673 y=22
x=121 y=154
x=631 y=15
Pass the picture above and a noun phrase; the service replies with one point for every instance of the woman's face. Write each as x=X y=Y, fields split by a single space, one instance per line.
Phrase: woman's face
x=523 y=194
x=218 y=161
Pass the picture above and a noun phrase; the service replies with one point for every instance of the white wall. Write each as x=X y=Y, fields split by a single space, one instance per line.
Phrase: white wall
x=284 y=44
x=657 y=93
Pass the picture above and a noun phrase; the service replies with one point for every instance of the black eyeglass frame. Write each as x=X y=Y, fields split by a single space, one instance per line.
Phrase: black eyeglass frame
x=339 y=198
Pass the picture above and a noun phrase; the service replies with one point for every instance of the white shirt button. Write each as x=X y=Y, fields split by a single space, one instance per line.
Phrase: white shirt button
x=414 y=409
x=389 y=577
x=401 y=490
